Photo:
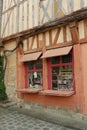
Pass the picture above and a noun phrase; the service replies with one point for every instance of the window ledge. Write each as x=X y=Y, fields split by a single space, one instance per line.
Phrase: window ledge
x=28 y=90
x=58 y=93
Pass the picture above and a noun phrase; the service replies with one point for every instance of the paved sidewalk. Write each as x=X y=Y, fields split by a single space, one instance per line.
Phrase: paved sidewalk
x=60 y=119
x=13 y=120
x=77 y=121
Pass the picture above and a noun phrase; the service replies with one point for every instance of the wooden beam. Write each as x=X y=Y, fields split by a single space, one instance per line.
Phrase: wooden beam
x=32 y=43
x=64 y=34
x=75 y=16
x=74 y=33
x=37 y=41
x=44 y=42
x=20 y=49
x=85 y=27
x=40 y=44
x=64 y=44
x=28 y=44
x=19 y=42
x=12 y=7
x=50 y=37
x=45 y=68
x=57 y=35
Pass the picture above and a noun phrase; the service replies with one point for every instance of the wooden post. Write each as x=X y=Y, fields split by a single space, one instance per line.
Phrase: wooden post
x=77 y=67
x=45 y=74
x=20 y=70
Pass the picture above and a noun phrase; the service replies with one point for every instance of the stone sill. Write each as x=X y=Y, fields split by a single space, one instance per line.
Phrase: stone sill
x=34 y=90
x=58 y=93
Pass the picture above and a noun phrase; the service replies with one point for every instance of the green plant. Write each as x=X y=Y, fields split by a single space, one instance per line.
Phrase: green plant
x=3 y=95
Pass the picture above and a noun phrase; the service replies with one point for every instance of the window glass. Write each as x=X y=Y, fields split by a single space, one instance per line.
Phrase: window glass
x=34 y=74
x=61 y=72
x=55 y=60
x=30 y=65
x=67 y=58
x=39 y=64
x=35 y=79
x=62 y=77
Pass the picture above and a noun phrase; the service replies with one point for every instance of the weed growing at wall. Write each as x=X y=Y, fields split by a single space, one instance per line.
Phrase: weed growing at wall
x=3 y=95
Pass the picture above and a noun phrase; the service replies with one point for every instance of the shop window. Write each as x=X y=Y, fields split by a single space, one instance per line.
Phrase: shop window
x=61 y=72
x=34 y=74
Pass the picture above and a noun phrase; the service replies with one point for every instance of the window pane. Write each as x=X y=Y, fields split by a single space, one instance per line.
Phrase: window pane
x=62 y=77
x=30 y=65
x=39 y=64
x=55 y=60
x=35 y=79
x=67 y=58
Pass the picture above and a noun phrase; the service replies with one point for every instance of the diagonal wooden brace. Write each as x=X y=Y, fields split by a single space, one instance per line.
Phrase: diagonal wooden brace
x=74 y=32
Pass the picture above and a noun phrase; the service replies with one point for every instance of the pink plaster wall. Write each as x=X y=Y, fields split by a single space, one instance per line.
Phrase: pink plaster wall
x=84 y=74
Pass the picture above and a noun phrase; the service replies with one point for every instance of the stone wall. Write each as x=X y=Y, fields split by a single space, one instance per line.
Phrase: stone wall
x=10 y=73
x=10 y=81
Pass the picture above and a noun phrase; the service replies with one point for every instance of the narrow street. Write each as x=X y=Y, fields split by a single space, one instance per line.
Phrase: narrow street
x=12 y=120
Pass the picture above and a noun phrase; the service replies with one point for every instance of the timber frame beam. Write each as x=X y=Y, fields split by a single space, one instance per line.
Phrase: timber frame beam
x=66 y=20
x=74 y=32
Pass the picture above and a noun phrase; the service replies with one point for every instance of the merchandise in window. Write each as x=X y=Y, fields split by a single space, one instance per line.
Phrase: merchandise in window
x=34 y=74
x=61 y=71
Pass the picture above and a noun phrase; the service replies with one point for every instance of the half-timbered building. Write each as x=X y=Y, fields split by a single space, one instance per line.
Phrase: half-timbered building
x=45 y=46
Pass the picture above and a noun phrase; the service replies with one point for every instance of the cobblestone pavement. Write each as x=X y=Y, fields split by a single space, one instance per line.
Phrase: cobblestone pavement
x=12 y=120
